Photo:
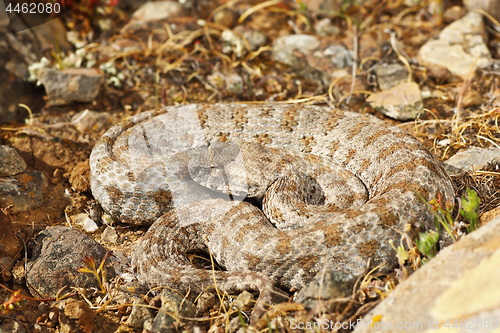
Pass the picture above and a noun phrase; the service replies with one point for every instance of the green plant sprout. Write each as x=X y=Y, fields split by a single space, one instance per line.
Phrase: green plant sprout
x=14 y=300
x=427 y=241
x=426 y=244
x=442 y=216
x=99 y=273
x=470 y=209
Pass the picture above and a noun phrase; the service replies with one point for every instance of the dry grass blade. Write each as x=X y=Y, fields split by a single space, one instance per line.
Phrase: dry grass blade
x=277 y=310
x=222 y=7
x=354 y=61
x=258 y=7
x=400 y=56
x=462 y=92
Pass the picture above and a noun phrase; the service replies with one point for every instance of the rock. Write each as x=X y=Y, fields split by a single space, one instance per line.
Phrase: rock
x=139 y=315
x=72 y=84
x=460 y=283
x=131 y=293
x=79 y=220
x=454 y=13
x=235 y=325
x=471 y=157
x=123 y=267
x=226 y=18
x=51 y=31
x=56 y=258
x=234 y=84
x=492 y=7
x=75 y=317
x=24 y=191
x=92 y=121
x=205 y=302
x=471 y=98
x=172 y=302
x=426 y=92
x=109 y=236
x=327 y=5
x=284 y=47
x=232 y=43
x=217 y=80
x=318 y=59
x=11 y=163
x=391 y=75
x=16 y=52
x=489 y=216
x=158 y=10
x=441 y=74
x=244 y=301
x=119 y=45
x=18 y=273
x=12 y=327
x=402 y=102
x=340 y=56
x=324 y=286
x=467 y=31
x=255 y=38
x=79 y=177
x=325 y=28
x=458 y=46
x=89 y=225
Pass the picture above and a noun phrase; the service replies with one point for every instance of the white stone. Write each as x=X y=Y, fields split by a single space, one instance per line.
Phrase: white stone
x=157 y=10
x=460 y=47
x=89 y=225
x=284 y=46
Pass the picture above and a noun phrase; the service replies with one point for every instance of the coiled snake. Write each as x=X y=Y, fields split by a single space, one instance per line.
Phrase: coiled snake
x=336 y=185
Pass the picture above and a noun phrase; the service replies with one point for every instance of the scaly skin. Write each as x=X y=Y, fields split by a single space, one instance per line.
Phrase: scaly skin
x=143 y=168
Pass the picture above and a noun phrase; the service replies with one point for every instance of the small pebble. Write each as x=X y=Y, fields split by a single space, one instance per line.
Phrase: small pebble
x=11 y=163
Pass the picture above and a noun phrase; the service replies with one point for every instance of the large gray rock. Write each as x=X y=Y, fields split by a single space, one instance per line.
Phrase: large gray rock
x=461 y=47
x=58 y=255
x=460 y=283
x=72 y=84
x=24 y=191
x=471 y=157
x=402 y=102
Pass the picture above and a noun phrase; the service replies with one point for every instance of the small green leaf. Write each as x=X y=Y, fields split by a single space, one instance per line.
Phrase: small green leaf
x=427 y=243
x=470 y=209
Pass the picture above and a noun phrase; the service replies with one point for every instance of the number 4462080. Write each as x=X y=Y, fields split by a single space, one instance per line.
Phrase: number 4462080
x=472 y=324
x=33 y=8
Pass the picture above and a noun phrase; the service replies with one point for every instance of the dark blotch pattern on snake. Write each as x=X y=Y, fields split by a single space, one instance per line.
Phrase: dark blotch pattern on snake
x=335 y=188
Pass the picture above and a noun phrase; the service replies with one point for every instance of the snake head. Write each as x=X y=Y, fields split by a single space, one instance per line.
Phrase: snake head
x=219 y=167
